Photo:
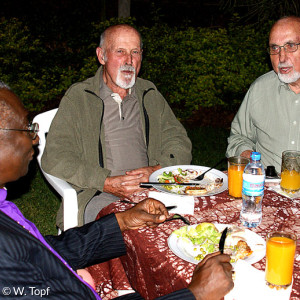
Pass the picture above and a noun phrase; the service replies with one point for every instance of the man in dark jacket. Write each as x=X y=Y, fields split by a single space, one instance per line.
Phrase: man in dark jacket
x=36 y=266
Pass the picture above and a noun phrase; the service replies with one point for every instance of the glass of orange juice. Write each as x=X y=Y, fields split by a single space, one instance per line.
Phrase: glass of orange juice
x=290 y=171
x=281 y=247
x=236 y=166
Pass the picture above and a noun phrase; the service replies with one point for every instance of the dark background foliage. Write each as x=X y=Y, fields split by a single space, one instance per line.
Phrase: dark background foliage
x=193 y=67
x=200 y=54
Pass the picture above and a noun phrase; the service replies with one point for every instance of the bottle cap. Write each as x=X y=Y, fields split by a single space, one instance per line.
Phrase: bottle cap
x=255 y=156
x=271 y=172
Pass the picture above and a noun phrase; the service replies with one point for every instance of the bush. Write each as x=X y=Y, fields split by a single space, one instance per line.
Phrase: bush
x=192 y=67
x=202 y=67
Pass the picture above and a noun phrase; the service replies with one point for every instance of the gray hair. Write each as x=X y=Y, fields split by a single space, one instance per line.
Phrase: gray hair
x=6 y=111
x=111 y=28
x=4 y=85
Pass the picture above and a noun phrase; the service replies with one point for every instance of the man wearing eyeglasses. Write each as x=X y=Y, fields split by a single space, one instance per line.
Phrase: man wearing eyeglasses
x=114 y=129
x=33 y=266
x=268 y=120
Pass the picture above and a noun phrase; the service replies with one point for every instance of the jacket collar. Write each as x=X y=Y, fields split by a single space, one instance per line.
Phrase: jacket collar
x=96 y=81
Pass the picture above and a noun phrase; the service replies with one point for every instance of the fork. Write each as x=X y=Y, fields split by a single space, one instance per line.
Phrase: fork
x=178 y=216
x=200 y=177
x=174 y=217
x=131 y=202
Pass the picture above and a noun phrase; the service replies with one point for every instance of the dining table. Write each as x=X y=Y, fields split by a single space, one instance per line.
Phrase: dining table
x=150 y=266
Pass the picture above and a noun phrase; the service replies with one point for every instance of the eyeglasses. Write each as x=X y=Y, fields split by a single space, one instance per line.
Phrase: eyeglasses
x=32 y=129
x=288 y=47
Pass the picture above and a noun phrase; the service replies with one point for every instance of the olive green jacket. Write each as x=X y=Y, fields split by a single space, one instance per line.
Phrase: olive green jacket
x=75 y=149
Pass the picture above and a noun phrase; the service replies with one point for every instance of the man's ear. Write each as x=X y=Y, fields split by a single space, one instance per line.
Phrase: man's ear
x=100 y=55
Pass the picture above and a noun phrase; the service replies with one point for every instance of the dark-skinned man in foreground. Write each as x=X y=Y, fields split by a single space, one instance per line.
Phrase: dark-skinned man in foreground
x=34 y=265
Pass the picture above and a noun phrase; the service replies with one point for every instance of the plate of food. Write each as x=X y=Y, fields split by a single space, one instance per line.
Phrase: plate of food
x=192 y=243
x=214 y=181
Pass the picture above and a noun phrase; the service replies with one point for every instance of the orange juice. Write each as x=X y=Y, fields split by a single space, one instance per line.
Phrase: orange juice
x=290 y=180
x=280 y=260
x=235 y=180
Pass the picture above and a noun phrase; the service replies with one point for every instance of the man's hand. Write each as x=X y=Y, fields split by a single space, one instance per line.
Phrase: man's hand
x=246 y=153
x=126 y=185
x=149 y=212
x=145 y=172
x=212 y=278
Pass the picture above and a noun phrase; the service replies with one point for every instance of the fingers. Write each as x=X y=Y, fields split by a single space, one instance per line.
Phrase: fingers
x=214 y=268
x=223 y=258
x=131 y=179
x=156 y=207
x=149 y=212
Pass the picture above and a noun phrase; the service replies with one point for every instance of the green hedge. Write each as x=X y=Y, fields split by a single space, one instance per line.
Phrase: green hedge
x=192 y=67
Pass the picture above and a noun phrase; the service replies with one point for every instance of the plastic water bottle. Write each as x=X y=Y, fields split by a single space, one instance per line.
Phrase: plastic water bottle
x=253 y=192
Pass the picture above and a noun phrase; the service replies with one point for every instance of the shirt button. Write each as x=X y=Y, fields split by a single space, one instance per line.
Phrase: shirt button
x=297 y=101
x=295 y=122
x=292 y=142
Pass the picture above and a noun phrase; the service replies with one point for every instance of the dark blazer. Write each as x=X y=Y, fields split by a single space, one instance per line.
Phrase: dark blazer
x=29 y=270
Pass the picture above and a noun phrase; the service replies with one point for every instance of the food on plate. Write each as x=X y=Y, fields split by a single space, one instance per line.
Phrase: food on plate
x=182 y=176
x=178 y=175
x=199 y=240
x=243 y=250
x=195 y=190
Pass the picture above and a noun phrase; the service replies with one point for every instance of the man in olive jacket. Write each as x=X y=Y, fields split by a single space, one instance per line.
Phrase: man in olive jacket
x=113 y=130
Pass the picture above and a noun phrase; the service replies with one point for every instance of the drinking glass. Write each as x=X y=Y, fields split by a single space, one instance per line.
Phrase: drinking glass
x=281 y=247
x=236 y=166
x=290 y=171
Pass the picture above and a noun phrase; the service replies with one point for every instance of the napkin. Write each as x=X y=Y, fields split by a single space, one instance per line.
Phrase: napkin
x=185 y=204
x=249 y=284
x=278 y=190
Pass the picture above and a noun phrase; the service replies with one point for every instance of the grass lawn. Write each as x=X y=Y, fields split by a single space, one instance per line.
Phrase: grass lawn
x=39 y=203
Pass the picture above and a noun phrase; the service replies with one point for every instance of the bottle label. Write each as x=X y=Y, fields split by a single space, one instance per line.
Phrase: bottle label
x=253 y=185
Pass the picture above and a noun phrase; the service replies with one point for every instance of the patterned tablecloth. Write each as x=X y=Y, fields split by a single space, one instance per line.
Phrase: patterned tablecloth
x=152 y=269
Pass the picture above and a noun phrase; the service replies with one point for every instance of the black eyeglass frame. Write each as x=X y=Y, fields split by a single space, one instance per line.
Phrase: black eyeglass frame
x=33 y=129
x=284 y=47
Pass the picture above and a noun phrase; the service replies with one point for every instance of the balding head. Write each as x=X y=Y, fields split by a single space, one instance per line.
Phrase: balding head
x=285 y=21
x=285 y=36
x=107 y=33
x=10 y=105
x=15 y=143
x=120 y=54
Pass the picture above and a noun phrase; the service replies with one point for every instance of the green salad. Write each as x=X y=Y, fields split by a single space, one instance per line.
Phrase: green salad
x=198 y=241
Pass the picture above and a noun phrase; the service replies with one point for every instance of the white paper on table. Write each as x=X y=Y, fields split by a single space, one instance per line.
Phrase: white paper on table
x=250 y=284
x=278 y=190
x=185 y=204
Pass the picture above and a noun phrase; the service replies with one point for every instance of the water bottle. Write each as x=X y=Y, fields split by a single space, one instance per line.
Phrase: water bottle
x=253 y=192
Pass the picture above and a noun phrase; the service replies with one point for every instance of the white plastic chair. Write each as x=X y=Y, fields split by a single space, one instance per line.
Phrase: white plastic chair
x=68 y=194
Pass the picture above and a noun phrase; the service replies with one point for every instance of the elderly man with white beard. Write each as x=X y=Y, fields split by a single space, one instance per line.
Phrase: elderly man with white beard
x=268 y=120
x=113 y=130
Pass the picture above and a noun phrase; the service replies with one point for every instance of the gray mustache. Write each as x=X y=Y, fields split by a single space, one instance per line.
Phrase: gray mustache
x=127 y=68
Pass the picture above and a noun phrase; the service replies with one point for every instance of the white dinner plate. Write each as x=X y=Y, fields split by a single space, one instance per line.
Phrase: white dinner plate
x=212 y=174
x=256 y=243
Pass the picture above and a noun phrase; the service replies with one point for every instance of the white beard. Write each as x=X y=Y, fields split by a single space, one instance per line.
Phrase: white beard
x=129 y=80
x=290 y=77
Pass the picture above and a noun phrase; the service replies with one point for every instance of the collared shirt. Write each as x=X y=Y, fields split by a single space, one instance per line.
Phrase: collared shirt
x=125 y=146
x=12 y=211
x=268 y=121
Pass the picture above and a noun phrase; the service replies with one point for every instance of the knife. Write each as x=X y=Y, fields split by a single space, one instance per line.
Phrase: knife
x=150 y=184
x=222 y=240
x=131 y=202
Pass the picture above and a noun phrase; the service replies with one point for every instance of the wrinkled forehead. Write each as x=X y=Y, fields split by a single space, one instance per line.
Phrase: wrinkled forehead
x=122 y=37
x=285 y=31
